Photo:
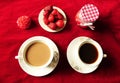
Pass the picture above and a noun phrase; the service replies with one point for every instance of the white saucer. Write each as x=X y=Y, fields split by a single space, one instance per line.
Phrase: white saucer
x=70 y=56
x=39 y=71
x=44 y=26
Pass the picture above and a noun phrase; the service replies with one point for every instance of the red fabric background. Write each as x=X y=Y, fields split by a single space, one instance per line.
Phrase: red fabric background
x=107 y=33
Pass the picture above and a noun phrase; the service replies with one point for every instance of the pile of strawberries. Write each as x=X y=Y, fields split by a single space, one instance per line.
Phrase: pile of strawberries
x=53 y=18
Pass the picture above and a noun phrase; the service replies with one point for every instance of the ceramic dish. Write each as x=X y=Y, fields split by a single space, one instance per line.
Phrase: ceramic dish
x=71 y=56
x=44 y=26
x=38 y=71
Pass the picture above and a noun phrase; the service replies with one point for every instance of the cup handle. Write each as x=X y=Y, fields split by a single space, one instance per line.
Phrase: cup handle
x=17 y=57
x=104 y=55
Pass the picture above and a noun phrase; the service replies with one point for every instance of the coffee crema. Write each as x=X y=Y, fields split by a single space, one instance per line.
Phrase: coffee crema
x=88 y=53
x=38 y=54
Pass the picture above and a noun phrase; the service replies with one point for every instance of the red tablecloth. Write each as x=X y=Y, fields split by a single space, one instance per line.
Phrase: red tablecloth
x=107 y=33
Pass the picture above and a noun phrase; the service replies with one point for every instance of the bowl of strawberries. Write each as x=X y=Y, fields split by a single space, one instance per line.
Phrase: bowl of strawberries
x=52 y=19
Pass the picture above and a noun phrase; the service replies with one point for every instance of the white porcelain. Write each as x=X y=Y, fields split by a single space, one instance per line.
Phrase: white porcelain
x=38 y=70
x=44 y=26
x=73 y=56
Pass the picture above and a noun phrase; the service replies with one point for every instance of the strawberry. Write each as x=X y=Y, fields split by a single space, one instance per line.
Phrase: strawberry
x=59 y=16
x=60 y=23
x=48 y=8
x=54 y=12
x=52 y=26
x=46 y=20
x=51 y=18
x=45 y=13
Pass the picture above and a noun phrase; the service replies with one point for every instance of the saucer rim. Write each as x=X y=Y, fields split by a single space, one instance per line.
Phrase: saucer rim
x=46 y=70
x=44 y=26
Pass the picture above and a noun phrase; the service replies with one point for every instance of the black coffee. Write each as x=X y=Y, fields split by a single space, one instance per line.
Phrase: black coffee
x=88 y=53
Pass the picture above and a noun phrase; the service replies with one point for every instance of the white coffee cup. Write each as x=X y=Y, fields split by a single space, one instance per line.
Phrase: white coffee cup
x=74 y=57
x=38 y=70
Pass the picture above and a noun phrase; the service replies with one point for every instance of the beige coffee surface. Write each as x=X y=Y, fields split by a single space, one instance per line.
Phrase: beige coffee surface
x=38 y=54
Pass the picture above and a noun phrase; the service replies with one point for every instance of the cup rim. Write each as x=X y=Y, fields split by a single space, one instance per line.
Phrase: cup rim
x=27 y=44
x=99 y=50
